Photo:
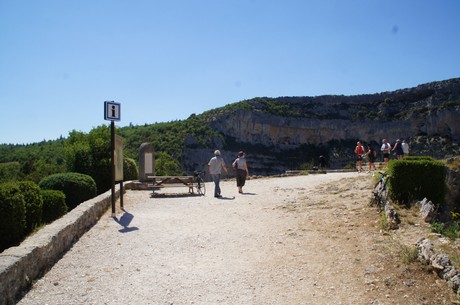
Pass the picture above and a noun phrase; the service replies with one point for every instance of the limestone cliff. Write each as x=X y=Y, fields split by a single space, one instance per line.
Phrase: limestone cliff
x=285 y=132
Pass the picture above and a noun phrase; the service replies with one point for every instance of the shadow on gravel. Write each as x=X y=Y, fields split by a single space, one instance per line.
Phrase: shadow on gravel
x=174 y=195
x=124 y=221
x=226 y=198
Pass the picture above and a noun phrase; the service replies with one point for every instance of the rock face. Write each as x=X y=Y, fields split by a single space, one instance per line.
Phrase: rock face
x=295 y=130
x=453 y=189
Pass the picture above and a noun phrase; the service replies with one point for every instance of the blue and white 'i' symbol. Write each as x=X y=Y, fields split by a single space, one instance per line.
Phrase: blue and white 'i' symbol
x=111 y=111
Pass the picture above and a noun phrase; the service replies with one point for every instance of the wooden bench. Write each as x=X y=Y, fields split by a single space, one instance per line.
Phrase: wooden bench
x=158 y=182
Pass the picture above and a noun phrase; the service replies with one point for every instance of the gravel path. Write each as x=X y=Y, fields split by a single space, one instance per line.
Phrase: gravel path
x=281 y=242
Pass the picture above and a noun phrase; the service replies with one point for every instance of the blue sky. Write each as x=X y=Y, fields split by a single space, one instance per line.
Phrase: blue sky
x=165 y=60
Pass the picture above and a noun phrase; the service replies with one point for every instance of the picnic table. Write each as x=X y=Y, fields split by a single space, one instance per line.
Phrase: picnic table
x=158 y=182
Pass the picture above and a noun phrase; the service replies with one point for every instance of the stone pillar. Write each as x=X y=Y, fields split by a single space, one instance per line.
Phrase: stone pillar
x=146 y=161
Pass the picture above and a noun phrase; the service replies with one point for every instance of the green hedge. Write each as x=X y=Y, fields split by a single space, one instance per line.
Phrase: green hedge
x=417 y=179
x=76 y=187
x=12 y=215
x=419 y=158
x=33 y=202
x=130 y=170
x=54 y=205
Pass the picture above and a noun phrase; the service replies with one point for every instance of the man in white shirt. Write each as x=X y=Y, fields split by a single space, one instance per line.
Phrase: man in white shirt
x=386 y=149
x=215 y=166
x=405 y=148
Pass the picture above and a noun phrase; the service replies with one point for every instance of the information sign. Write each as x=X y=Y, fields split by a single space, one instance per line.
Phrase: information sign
x=112 y=111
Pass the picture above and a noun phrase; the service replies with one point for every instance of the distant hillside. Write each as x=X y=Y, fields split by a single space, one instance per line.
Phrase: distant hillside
x=288 y=132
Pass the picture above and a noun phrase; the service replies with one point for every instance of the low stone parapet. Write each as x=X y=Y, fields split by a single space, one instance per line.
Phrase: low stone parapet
x=21 y=265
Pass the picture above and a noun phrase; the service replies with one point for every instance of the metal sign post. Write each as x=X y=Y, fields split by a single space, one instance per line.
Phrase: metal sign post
x=112 y=113
x=112 y=148
x=118 y=149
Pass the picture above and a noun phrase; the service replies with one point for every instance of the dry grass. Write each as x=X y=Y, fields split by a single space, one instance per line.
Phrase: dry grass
x=406 y=254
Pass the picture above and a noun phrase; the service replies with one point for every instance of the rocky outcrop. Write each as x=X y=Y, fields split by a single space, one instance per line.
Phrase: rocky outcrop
x=432 y=109
x=298 y=129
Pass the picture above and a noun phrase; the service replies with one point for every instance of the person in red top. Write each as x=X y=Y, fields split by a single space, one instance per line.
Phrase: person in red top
x=359 y=150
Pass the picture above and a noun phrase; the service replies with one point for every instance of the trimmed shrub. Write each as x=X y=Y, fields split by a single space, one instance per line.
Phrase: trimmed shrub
x=417 y=179
x=54 y=205
x=12 y=215
x=33 y=202
x=76 y=187
x=130 y=170
x=419 y=158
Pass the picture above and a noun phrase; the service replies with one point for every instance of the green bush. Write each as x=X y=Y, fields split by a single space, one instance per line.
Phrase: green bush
x=89 y=154
x=12 y=215
x=76 y=187
x=33 y=202
x=54 y=205
x=450 y=230
x=419 y=158
x=417 y=179
x=130 y=170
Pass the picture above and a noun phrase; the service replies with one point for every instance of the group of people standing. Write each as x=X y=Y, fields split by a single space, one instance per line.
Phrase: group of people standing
x=400 y=150
x=217 y=164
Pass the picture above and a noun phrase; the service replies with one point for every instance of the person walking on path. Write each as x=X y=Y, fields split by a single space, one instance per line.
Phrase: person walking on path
x=385 y=149
x=242 y=171
x=359 y=150
x=398 y=150
x=405 y=148
x=215 y=166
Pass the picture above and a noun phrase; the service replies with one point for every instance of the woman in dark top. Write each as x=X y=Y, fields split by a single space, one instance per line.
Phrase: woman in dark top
x=242 y=171
x=371 y=154
x=398 y=150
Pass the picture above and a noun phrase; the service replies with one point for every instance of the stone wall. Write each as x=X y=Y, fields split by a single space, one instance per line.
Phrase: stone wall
x=21 y=265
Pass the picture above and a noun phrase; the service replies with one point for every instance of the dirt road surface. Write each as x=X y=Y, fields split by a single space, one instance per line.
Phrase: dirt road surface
x=287 y=240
